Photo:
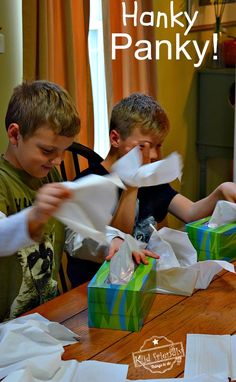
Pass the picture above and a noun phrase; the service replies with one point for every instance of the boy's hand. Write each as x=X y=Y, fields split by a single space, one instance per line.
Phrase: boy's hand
x=139 y=257
x=145 y=150
x=48 y=200
x=228 y=191
x=114 y=247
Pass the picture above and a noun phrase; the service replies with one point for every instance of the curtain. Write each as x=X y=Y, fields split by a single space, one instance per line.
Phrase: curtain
x=55 y=47
x=126 y=74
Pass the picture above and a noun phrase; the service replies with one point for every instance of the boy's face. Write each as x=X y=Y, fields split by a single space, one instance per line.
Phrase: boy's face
x=149 y=142
x=38 y=153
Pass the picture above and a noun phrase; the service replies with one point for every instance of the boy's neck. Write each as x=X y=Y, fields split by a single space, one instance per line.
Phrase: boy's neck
x=10 y=157
x=109 y=161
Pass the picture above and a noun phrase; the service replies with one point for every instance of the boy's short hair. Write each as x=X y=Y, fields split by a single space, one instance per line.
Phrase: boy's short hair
x=139 y=110
x=38 y=103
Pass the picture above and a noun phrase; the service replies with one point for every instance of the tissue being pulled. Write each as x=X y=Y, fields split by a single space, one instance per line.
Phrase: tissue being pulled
x=122 y=264
x=90 y=209
x=133 y=173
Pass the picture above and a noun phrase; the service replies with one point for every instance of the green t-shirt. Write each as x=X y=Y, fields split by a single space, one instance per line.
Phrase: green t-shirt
x=28 y=278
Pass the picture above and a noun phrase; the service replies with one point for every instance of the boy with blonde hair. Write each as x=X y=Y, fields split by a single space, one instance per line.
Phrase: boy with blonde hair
x=139 y=120
x=41 y=122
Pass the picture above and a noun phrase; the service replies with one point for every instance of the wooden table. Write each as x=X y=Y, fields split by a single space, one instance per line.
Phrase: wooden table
x=211 y=311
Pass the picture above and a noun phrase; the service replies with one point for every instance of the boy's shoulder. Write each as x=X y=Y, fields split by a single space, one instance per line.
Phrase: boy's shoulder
x=6 y=171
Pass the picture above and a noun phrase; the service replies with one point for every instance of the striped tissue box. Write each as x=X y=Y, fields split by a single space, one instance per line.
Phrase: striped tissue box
x=213 y=243
x=121 y=307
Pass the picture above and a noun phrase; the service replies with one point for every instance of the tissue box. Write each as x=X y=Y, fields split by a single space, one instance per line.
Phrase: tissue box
x=121 y=307
x=213 y=243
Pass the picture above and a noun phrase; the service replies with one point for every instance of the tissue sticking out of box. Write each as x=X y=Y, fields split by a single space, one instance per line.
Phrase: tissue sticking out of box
x=122 y=265
x=224 y=213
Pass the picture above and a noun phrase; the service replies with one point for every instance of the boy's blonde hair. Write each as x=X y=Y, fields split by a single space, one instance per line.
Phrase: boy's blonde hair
x=139 y=110
x=38 y=103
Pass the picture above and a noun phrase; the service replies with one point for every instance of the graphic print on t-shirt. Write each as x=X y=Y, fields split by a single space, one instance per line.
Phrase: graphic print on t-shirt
x=38 y=286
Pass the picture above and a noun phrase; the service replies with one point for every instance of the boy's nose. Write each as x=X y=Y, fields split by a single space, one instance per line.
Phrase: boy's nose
x=56 y=161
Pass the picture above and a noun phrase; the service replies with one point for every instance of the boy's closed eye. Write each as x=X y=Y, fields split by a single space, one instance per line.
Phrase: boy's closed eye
x=144 y=144
x=46 y=150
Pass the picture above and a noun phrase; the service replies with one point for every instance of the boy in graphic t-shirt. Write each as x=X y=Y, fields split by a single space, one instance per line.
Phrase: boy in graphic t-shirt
x=41 y=122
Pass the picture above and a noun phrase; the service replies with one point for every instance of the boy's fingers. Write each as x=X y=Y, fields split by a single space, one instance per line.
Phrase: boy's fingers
x=111 y=253
x=114 y=247
x=53 y=196
x=49 y=204
x=55 y=189
x=66 y=194
x=151 y=254
x=146 y=153
x=136 y=256
x=140 y=257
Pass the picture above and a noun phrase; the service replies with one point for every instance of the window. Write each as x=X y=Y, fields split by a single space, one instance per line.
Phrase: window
x=96 y=57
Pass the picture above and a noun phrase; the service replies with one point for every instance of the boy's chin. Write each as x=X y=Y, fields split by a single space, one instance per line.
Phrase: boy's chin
x=45 y=172
x=40 y=173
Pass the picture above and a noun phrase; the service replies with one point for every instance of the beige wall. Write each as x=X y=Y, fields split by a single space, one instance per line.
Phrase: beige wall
x=10 y=61
x=177 y=89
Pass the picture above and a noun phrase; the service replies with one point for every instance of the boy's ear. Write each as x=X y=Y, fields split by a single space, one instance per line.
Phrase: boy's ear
x=13 y=133
x=114 y=138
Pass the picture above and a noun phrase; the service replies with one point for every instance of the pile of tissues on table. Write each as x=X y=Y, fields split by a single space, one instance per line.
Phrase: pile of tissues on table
x=31 y=349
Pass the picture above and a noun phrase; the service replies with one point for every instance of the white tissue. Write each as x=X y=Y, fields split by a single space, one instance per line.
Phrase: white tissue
x=122 y=264
x=133 y=173
x=73 y=371
x=90 y=209
x=178 y=271
x=210 y=354
x=224 y=213
x=33 y=341
x=95 y=371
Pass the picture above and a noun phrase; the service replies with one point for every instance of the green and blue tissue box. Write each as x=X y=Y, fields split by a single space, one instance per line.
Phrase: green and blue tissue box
x=121 y=307
x=213 y=243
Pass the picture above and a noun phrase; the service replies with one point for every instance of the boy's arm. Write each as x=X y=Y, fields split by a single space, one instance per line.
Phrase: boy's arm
x=25 y=227
x=124 y=217
x=14 y=232
x=188 y=211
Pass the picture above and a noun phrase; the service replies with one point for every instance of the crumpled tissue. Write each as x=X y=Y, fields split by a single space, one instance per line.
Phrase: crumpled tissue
x=178 y=271
x=133 y=173
x=33 y=341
